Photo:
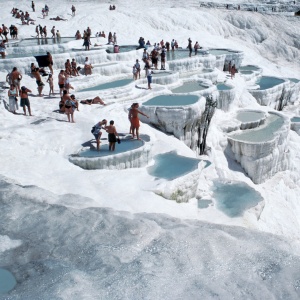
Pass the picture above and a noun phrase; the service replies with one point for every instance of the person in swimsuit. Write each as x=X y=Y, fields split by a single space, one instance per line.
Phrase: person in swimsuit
x=13 y=101
x=134 y=119
x=51 y=87
x=2 y=49
x=96 y=131
x=93 y=101
x=74 y=70
x=67 y=101
x=16 y=77
x=24 y=99
x=112 y=135
x=39 y=81
x=61 y=81
x=50 y=62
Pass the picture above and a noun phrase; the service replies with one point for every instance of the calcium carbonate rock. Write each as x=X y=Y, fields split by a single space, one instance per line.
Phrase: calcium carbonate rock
x=263 y=151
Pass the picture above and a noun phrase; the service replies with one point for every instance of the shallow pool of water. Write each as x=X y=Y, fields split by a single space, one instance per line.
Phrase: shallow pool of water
x=172 y=100
x=249 y=68
x=267 y=82
x=171 y=165
x=108 y=85
x=262 y=133
x=246 y=72
x=177 y=54
x=37 y=42
x=249 y=116
x=295 y=80
x=234 y=198
x=7 y=281
x=161 y=74
x=295 y=119
x=189 y=87
x=223 y=87
x=126 y=145
x=220 y=51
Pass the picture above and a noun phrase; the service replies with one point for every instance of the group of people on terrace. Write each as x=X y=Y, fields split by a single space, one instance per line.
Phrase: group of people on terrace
x=24 y=17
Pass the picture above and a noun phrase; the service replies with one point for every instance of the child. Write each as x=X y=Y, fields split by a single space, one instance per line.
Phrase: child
x=134 y=72
x=50 y=81
x=112 y=135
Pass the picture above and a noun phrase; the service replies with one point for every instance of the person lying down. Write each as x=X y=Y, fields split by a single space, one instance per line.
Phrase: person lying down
x=96 y=100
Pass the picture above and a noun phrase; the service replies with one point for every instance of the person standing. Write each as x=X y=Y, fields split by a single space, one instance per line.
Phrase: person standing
x=50 y=62
x=53 y=32
x=12 y=98
x=73 y=9
x=163 y=58
x=51 y=87
x=149 y=77
x=115 y=39
x=96 y=131
x=61 y=81
x=16 y=78
x=37 y=31
x=2 y=49
x=33 y=6
x=138 y=69
x=74 y=70
x=190 y=47
x=24 y=99
x=134 y=119
x=66 y=99
x=45 y=31
x=196 y=47
x=39 y=81
x=5 y=32
x=112 y=135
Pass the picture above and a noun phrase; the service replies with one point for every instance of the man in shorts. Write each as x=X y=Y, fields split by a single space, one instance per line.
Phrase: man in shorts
x=24 y=99
x=61 y=81
x=36 y=74
x=16 y=77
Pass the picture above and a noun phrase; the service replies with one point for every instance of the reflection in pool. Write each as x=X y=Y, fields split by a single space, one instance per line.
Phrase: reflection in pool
x=108 y=85
x=171 y=165
x=189 y=87
x=234 y=198
x=266 y=82
x=172 y=100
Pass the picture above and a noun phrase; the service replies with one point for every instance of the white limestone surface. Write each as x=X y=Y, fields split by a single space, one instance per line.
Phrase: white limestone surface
x=135 y=158
x=263 y=151
x=176 y=120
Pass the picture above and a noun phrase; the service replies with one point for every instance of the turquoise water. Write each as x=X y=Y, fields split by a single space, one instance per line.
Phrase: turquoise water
x=160 y=74
x=47 y=41
x=295 y=80
x=125 y=48
x=220 y=51
x=266 y=82
x=249 y=68
x=204 y=203
x=177 y=54
x=249 y=116
x=7 y=281
x=262 y=133
x=171 y=165
x=126 y=145
x=295 y=119
x=223 y=87
x=234 y=198
x=188 y=87
x=246 y=72
x=108 y=85
x=172 y=100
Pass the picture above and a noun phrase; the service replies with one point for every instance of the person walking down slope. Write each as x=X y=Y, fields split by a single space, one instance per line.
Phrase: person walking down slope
x=73 y=10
